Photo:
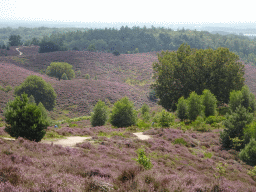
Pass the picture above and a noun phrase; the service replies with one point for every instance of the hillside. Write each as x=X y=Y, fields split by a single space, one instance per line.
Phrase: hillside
x=117 y=76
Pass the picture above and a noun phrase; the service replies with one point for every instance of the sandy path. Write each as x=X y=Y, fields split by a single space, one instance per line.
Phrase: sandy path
x=73 y=140
x=19 y=51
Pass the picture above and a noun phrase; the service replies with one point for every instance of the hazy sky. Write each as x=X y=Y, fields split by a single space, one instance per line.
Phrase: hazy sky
x=112 y=11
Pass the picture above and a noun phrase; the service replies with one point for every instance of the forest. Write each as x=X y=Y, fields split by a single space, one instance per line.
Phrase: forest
x=130 y=40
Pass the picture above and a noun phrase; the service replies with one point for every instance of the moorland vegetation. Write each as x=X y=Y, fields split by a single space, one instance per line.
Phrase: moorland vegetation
x=197 y=143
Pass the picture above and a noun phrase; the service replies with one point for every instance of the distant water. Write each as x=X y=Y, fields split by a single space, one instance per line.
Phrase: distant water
x=249 y=34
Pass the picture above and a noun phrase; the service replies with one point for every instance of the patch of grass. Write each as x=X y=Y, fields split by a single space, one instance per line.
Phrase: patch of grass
x=136 y=82
x=20 y=60
x=180 y=141
x=208 y=155
x=53 y=135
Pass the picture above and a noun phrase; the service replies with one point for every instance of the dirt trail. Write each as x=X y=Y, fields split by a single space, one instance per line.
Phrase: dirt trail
x=73 y=140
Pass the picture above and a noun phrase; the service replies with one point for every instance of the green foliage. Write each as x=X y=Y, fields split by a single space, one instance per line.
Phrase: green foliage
x=7 y=88
x=166 y=118
x=179 y=73
x=182 y=109
x=24 y=119
x=180 y=141
x=143 y=159
x=8 y=47
x=87 y=76
x=95 y=77
x=142 y=124
x=195 y=106
x=144 y=108
x=34 y=41
x=249 y=132
x=209 y=102
x=78 y=73
x=136 y=50
x=48 y=46
x=100 y=114
x=152 y=95
x=3 y=46
x=41 y=91
x=14 y=40
x=235 y=99
x=235 y=124
x=91 y=47
x=64 y=76
x=57 y=69
x=116 y=53
x=146 y=116
x=123 y=113
x=31 y=99
x=252 y=172
x=248 y=154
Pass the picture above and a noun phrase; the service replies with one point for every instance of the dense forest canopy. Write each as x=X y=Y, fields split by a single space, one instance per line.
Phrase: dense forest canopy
x=127 y=40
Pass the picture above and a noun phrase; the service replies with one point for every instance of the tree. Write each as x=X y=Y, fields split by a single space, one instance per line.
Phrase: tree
x=25 y=119
x=100 y=113
x=182 y=109
x=64 y=76
x=116 y=53
x=209 y=102
x=48 y=46
x=123 y=114
x=195 y=106
x=41 y=91
x=35 y=41
x=57 y=69
x=15 y=40
x=179 y=73
x=91 y=47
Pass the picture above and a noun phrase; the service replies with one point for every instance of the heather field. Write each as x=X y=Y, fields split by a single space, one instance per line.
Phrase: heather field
x=185 y=157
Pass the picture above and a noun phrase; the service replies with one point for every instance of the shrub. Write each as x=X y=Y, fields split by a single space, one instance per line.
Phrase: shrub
x=144 y=108
x=146 y=117
x=64 y=76
x=7 y=88
x=249 y=132
x=180 y=141
x=235 y=99
x=195 y=106
x=209 y=102
x=211 y=120
x=166 y=119
x=41 y=91
x=235 y=124
x=143 y=124
x=143 y=159
x=24 y=119
x=95 y=77
x=87 y=76
x=116 y=53
x=99 y=116
x=152 y=95
x=57 y=69
x=123 y=114
x=182 y=109
x=248 y=154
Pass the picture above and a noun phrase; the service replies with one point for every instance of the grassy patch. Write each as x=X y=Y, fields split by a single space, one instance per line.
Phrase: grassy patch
x=20 y=60
x=53 y=135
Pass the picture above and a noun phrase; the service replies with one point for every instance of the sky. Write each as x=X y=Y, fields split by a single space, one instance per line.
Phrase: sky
x=114 y=11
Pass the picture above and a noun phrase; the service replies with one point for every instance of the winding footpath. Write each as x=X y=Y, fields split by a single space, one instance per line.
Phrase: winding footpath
x=73 y=140
x=19 y=51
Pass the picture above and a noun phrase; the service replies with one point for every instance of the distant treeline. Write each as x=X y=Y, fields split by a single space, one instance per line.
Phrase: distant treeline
x=132 y=40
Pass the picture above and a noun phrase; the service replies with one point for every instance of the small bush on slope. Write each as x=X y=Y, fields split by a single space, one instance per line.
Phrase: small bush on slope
x=25 y=119
x=123 y=113
x=166 y=118
x=99 y=116
x=235 y=124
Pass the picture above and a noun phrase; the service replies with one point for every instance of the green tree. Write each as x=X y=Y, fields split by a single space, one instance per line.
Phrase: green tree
x=182 y=109
x=235 y=124
x=195 y=106
x=64 y=76
x=235 y=99
x=91 y=47
x=41 y=91
x=57 y=69
x=35 y=41
x=48 y=46
x=25 y=119
x=100 y=114
x=15 y=40
x=248 y=154
x=144 y=108
x=116 y=53
x=179 y=73
x=166 y=119
x=123 y=113
x=209 y=102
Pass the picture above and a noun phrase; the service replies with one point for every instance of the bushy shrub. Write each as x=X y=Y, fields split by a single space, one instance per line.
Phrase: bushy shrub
x=123 y=113
x=100 y=114
x=116 y=53
x=248 y=154
x=166 y=119
x=152 y=95
x=195 y=106
x=142 y=124
x=209 y=102
x=235 y=124
x=57 y=69
x=41 y=91
x=211 y=120
x=249 y=132
x=146 y=117
x=144 y=108
x=25 y=119
x=7 y=88
x=143 y=159
x=64 y=76
x=182 y=109
x=200 y=125
x=180 y=141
